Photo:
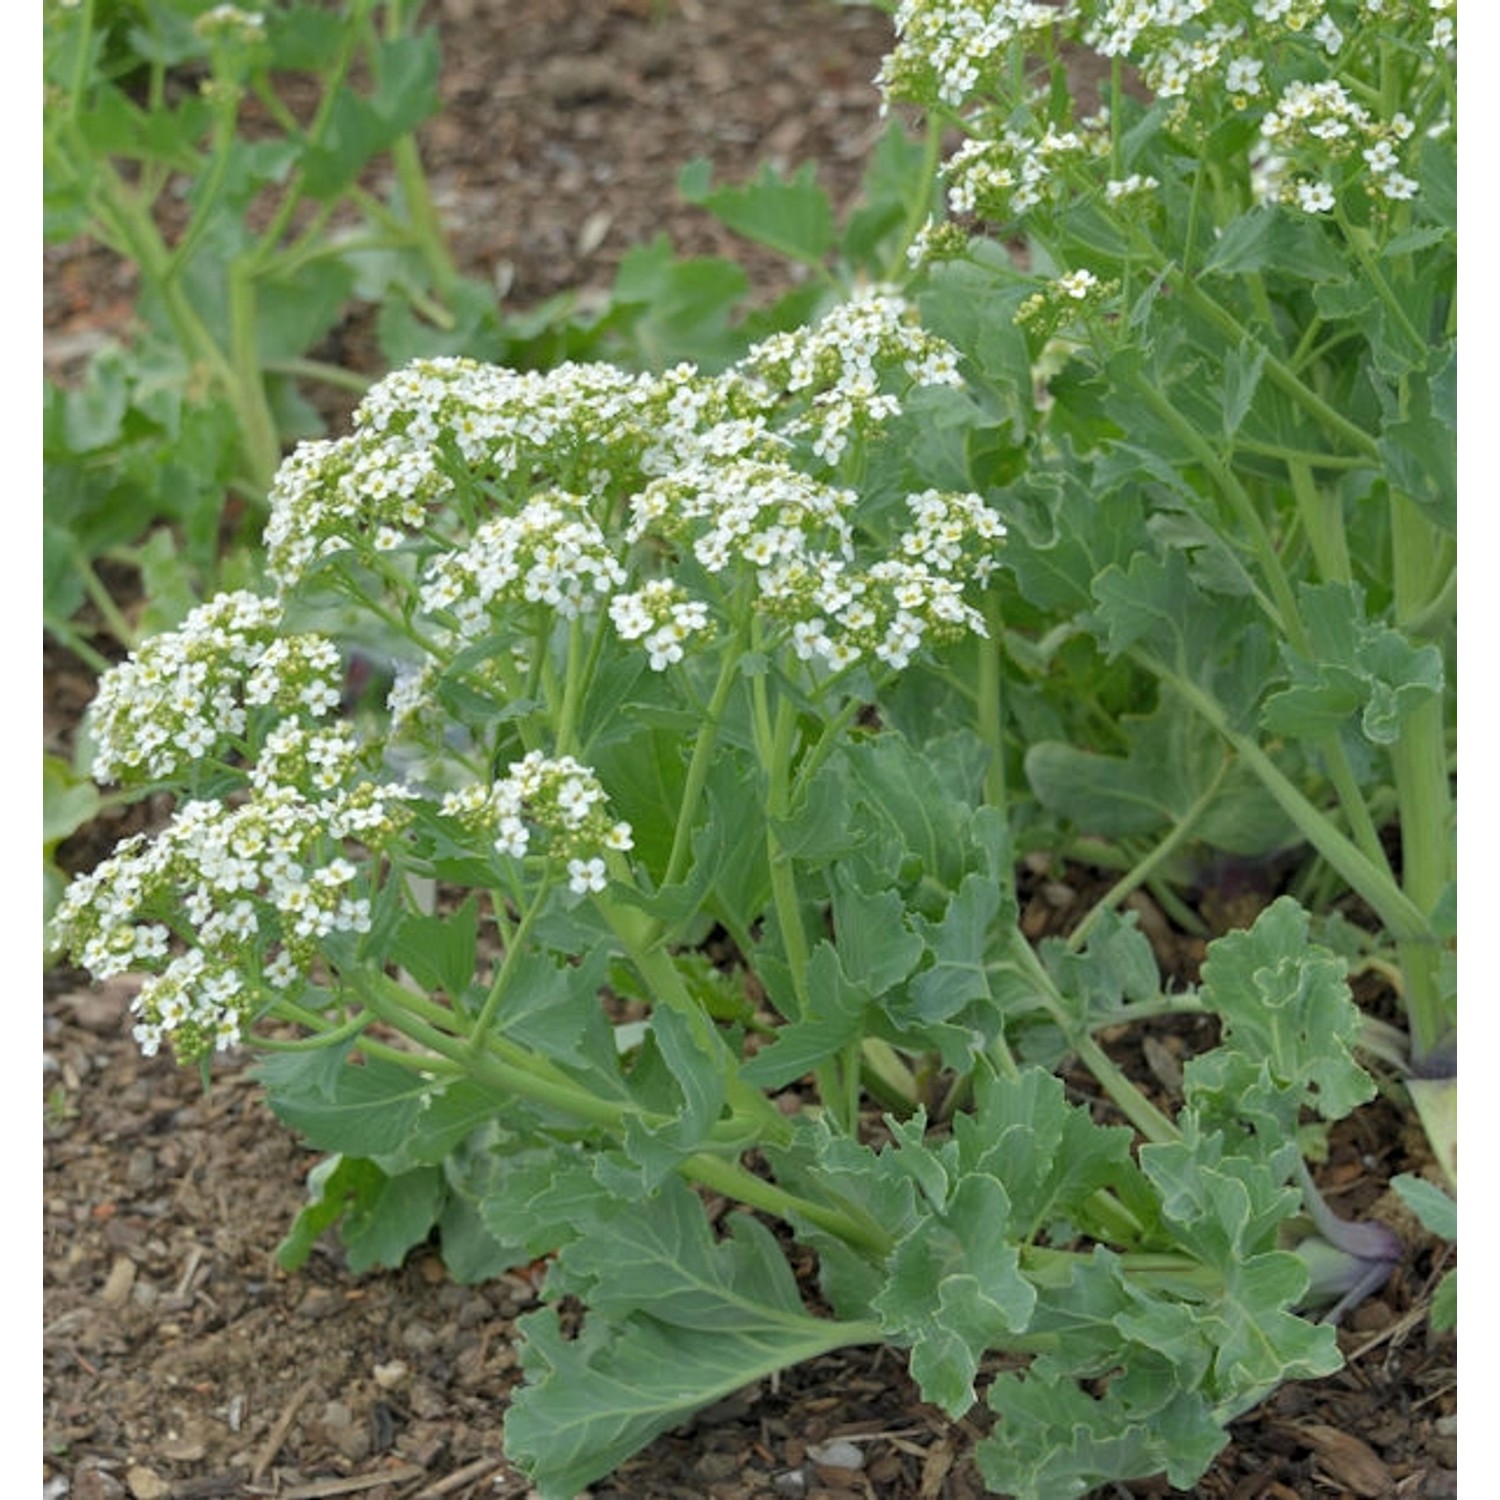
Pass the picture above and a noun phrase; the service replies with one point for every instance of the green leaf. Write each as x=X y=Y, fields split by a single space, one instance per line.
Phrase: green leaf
x=1106 y=795
x=1445 y=1304
x=1285 y=1003
x=790 y=214
x=293 y=313
x=406 y=70
x=902 y=791
x=438 y=949
x=529 y=1195
x=590 y=1402
x=876 y=949
x=1437 y=1211
x=1227 y=1211
x=684 y=306
x=960 y=944
x=1241 y=378
x=454 y=1110
x=380 y=1216
x=1353 y=667
x=94 y=414
x=1056 y=1441
x=895 y=175
x=836 y=1020
x=333 y=1184
x=1421 y=452
x=1149 y=604
x=68 y=801
x=698 y=1064
x=362 y=1110
x=954 y=1290
x=676 y=1321
x=1272 y=239
x=390 y=1217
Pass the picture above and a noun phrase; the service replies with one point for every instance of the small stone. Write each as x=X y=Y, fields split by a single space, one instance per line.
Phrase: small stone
x=90 y=1484
x=146 y=1484
x=839 y=1453
x=388 y=1377
x=319 y=1302
x=182 y=1450
x=116 y=1289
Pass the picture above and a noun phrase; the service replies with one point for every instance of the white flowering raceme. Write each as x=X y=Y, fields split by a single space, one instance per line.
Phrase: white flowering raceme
x=1320 y=131
x=946 y=48
x=545 y=805
x=229 y=22
x=746 y=512
x=662 y=615
x=229 y=904
x=185 y=696
x=1006 y=176
x=853 y=367
x=551 y=552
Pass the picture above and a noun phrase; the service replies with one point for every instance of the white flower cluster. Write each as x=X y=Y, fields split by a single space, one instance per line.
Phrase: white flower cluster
x=1005 y=177
x=232 y=24
x=846 y=363
x=551 y=553
x=185 y=696
x=944 y=48
x=662 y=615
x=1321 y=124
x=339 y=495
x=554 y=803
x=229 y=903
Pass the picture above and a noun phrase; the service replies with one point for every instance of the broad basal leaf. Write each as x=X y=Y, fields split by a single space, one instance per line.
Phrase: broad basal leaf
x=677 y=1320
x=1285 y=1001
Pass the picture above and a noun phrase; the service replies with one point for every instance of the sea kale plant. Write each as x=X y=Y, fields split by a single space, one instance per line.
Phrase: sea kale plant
x=604 y=822
x=1214 y=398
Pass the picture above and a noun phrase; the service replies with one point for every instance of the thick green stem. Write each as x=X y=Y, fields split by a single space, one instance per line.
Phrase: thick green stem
x=776 y=754
x=1126 y=1097
x=919 y=210
x=262 y=442
x=397 y=1007
x=1144 y=869
x=640 y=936
x=989 y=712
x=514 y=947
x=736 y=1182
x=1281 y=608
x=1401 y=916
x=704 y=748
x=1322 y=515
x=393 y=1004
x=1423 y=791
x=1276 y=370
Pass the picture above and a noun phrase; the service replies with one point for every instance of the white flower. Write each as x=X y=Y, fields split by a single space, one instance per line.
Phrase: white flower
x=1314 y=197
x=1077 y=284
x=585 y=875
x=1243 y=76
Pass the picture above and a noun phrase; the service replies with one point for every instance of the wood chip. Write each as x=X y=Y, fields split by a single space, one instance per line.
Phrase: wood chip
x=1348 y=1460
x=277 y=1435
x=935 y=1470
x=116 y=1289
x=352 y=1484
x=459 y=1478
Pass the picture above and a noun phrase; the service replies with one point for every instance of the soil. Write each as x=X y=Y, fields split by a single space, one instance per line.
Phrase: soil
x=178 y=1361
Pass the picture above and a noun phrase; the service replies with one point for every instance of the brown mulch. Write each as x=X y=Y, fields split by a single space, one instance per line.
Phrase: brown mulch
x=178 y=1361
